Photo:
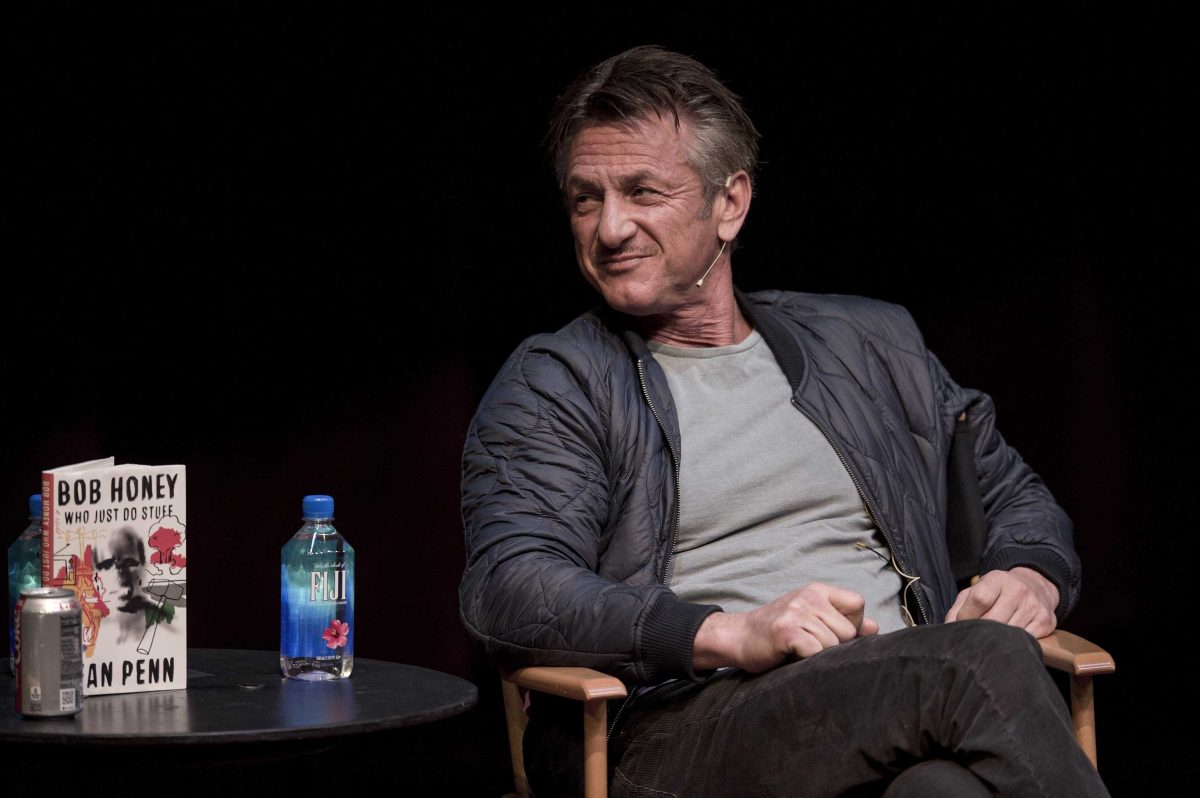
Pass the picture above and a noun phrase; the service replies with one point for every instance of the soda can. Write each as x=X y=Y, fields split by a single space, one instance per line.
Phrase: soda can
x=49 y=653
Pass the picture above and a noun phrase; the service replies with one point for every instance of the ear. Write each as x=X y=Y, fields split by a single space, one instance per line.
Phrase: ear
x=731 y=205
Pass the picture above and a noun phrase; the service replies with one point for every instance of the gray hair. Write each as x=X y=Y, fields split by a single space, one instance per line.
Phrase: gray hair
x=650 y=81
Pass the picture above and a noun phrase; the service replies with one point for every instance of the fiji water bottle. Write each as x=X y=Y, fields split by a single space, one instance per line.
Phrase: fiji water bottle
x=316 y=620
x=24 y=565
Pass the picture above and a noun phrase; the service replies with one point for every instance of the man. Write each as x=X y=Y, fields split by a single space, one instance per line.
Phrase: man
x=725 y=499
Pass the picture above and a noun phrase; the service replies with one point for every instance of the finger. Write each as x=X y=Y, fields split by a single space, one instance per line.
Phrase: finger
x=830 y=628
x=1034 y=618
x=1008 y=607
x=1042 y=625
x=846 y=602
x=851 y=606
x=959 y=600
x=979 y=599
x=823 y=610
x=1023 y=616
x=807 y=629
x=815 y=645
x=799 y=629
x=819 y=616
x=843 y=627
x=868 y=628
x=801 y=643
x=1017 y=604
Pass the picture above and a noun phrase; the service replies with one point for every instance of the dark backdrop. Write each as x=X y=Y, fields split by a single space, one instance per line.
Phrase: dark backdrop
x=290 y=251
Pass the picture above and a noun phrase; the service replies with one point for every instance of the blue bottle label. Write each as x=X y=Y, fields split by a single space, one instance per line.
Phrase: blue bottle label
x=317 y=602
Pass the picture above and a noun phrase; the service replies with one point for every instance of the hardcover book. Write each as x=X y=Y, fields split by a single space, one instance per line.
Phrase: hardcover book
x=117 y=536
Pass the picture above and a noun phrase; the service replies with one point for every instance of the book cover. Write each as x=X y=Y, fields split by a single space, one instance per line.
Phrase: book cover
x=117 y=535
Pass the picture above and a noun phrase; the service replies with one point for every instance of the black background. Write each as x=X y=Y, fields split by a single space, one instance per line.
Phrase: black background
x=289 y=250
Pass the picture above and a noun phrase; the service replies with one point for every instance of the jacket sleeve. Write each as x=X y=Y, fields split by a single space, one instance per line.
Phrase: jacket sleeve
x=535 y=504
x=1026 y=526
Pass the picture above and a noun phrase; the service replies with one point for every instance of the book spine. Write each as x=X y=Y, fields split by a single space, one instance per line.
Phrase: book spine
x=48 y=530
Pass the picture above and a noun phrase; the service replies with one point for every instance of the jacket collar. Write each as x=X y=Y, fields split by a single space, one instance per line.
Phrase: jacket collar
x=787 y=352
x=783 y=345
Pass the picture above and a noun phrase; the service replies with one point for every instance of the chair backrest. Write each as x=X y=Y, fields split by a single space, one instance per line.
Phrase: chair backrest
x=966 y=526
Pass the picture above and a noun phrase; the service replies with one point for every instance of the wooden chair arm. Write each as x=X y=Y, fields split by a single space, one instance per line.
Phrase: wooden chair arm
x=591 y=687
x=1071 y=653
x=580 y=684
x=1082 y=660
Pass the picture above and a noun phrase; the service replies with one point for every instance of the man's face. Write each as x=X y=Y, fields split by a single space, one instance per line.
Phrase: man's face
x=636 y=206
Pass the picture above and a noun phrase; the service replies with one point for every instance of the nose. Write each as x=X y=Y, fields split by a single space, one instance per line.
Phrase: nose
x=616 y=223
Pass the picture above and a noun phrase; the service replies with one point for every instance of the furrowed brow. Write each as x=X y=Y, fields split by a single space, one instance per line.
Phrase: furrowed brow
x=577 y=183
x=638 y=177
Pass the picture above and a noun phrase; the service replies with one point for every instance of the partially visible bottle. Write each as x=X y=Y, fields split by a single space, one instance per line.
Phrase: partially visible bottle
x=316 y=619
x=24 y=567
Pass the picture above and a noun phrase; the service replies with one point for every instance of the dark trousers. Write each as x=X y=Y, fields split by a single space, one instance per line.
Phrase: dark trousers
x=972 y=700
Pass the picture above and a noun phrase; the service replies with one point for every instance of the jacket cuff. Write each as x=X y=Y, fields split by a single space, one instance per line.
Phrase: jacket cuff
x=668 y=636
x=1046 y=562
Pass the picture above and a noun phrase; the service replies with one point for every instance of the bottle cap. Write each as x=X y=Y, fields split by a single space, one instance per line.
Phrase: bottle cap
x=318 y=506
x=35 y=506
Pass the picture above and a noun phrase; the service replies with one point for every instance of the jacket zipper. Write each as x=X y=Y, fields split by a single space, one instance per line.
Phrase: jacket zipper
x=867 y=501
x=662 y=575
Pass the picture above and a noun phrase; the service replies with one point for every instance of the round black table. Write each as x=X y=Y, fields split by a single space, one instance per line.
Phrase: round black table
x=241 y=726
x=235 y=695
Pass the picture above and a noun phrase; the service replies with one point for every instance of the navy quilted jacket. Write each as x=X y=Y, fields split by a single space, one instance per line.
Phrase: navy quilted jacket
x=569 y=492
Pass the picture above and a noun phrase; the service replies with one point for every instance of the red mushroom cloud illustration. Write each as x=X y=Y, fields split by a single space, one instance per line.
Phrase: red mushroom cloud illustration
x=166 y=535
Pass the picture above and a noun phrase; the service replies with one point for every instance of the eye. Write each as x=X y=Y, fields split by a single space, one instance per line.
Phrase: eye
x=582 y=202
x=644 y=195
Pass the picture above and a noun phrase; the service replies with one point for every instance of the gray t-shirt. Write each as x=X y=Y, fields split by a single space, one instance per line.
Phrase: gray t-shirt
x=766 y=506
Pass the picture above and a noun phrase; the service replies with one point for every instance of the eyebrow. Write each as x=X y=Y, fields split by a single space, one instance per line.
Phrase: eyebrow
x=640 y=176
x=575 y=181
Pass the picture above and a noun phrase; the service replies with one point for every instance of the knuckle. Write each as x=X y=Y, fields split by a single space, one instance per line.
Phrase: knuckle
x=810 y=593
x=783 y=627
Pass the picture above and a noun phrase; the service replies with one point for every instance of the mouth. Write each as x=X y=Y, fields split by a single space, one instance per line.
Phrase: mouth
x=625 y=260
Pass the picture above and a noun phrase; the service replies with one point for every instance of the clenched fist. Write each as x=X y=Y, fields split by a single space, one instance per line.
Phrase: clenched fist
x=1021 y=597
x=797 y=624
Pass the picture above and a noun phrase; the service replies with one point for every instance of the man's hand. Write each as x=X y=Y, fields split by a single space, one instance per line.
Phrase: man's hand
x=798 y=624
x=1020 y=597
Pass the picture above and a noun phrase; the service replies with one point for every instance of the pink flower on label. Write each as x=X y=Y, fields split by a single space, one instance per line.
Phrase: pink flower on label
x=337 y=635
